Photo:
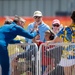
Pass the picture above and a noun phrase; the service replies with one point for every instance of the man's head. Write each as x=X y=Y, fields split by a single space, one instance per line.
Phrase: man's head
x=19 y=21
x=73 y=16
x=37 y=16
x=8 y=21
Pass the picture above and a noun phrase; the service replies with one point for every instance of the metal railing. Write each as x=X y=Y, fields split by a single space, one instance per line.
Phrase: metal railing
x=26 y=56
x=57 y=59
x=53 y=59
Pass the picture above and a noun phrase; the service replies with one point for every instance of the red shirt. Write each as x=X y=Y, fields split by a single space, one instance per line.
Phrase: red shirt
x=45 y=59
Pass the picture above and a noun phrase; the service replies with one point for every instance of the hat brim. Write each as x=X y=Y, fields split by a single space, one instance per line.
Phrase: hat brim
x=56 y=23
x=37 y=15
x=47 y=31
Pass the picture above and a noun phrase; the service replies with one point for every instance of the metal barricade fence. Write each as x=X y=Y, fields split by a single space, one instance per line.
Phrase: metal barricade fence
x=57 y=59
x=54 y=59
x=23 y=57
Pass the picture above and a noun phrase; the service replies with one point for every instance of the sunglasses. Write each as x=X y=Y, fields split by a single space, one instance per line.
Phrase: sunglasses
x=37 y=17
x=56 y=25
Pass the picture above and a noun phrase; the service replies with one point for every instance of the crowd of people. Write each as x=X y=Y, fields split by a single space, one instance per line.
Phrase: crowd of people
x=38 y=32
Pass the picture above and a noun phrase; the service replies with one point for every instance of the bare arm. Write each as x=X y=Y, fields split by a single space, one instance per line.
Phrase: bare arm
x=22 y=32
x=57 y=39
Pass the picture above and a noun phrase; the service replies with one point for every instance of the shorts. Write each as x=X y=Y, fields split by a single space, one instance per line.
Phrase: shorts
x=66 y=62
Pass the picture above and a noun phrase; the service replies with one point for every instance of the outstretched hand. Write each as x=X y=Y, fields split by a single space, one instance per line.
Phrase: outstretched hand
x=36 y=26
x=47 y=43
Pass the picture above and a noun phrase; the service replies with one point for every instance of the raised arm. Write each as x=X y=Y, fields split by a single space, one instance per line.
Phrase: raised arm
x=22 y=32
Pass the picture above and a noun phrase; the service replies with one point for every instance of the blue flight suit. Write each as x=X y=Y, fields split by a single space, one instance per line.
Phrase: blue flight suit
x=7 y=34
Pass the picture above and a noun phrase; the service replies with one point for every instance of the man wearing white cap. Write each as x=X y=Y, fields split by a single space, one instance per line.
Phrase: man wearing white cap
x=38 y=23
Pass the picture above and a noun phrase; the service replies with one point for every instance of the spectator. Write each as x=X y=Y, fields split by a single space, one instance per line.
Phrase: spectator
x=47 y=62
x=69 y=68
x=42 y=27
x=56 y=26
x=7 y=34
x=69 y=61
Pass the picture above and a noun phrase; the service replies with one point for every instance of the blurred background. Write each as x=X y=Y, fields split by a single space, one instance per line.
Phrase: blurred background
x=51 y=9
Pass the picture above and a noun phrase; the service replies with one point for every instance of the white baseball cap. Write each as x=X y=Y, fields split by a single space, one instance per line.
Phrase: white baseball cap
x=56 y=21
x=37 y=13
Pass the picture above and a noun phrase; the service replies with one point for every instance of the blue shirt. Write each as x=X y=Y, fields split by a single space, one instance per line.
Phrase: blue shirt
x=9 y=32
x=42 y=28
x=67 y=34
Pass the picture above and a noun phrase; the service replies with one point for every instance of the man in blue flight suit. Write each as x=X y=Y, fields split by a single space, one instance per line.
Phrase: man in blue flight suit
x=7 y=34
